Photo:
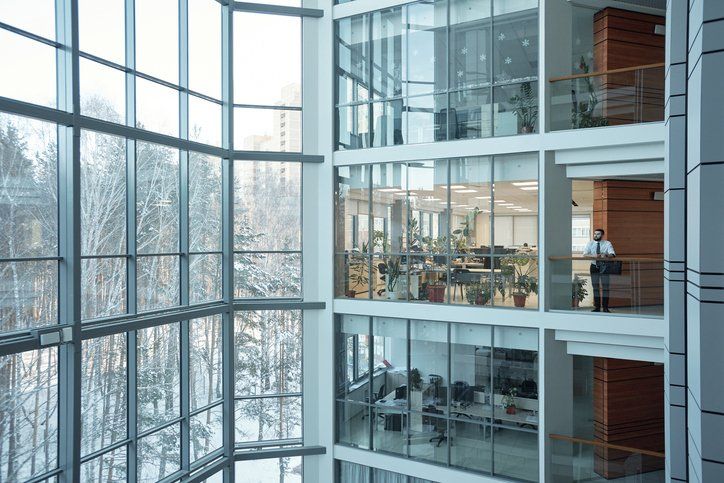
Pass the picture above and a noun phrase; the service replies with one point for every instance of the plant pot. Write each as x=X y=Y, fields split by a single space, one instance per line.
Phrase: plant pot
x=576 y=302
x=519 y=299
x=510 y=410
x=436 y=293
x=526 y=129
x=351 y=294
x=480 y=299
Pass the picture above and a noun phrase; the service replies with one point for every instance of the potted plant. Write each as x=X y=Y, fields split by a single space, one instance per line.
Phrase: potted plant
x=582 y=113
x=392 y=277
x=415 y=379
x=358 y=273
x=463 y=234
x=578 y=291
x=521 y=269
x=478 y=293
x=525 y=108
x=509 y=401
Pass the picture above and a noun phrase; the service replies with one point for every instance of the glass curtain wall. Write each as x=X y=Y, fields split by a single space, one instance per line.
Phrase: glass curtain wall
x=354 y=473
x=436 y=71
x=137 y=233
x=461 y=231
x=451 y=394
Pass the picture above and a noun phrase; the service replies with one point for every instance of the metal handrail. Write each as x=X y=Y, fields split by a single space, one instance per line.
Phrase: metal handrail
x=601 y=444
x=607 y=72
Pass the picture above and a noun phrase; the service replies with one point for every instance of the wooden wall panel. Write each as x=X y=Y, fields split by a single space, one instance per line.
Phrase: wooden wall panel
x=627 y=39
x=628 y=410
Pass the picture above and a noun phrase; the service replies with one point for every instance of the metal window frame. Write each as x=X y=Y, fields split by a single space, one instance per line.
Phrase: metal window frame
x=70 y=332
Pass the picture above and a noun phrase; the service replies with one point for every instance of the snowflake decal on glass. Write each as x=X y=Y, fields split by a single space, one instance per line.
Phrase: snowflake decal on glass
x=525 y=43
x=483 y=57
x=432 y=59
x=508 y=60
x=464 y=51
x=460 y=73
x=501 y=37
x=360 y=64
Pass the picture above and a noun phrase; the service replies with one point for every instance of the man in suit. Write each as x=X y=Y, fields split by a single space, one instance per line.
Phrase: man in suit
x=599 y=248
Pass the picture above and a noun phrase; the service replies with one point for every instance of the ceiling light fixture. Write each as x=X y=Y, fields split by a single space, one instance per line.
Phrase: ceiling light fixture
x=466 y=191
x=529 y=188
x=525 y=183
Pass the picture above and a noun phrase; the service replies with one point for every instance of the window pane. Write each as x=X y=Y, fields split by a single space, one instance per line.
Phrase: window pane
x=28 y=69
x=103 y=194
x=103 y=395
x=268 y=419
x=353 y=57
x=204 y=121
x=278 y=62
x=389 y=207
x=470 y=49
x=259 y=275
x=158 y=375
x=29 y=414
x=157 y=202
x=427 y=40
x=425 y=118
x=204 y=202
x=28 y=187
x=515 y=109
x=267 y=205
x=102 y=29
x=205 y=47
x=205 y=277
x=267 y=130
x=352 y=127
x=28 y=294
x=157 y=38
x=109 y=468
x=158 y=282
x=268 y=352
x=205 y=361
x=103 y=287
x=282 y=470
x=156 y=107
x=389 y=44
x=18 y=14
x=159 y=454
x=102 y=92
x=206 y=432
x=515 y=48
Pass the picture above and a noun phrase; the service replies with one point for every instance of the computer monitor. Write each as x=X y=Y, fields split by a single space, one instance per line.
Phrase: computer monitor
x=401 y=392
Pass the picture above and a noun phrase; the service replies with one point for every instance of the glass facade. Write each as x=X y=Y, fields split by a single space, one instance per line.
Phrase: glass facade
x=353 y=473
x=451 y=394
x=436 y=71
x=136 y=233
x=460 y=231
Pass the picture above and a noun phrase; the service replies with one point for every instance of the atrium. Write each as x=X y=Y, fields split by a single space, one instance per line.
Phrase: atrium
x=361 y=241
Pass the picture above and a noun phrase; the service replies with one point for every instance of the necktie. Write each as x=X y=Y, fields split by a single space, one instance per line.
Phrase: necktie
x=598 y=248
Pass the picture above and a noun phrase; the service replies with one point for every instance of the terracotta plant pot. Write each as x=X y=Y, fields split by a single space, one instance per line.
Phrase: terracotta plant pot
x=519 y=299
x=510 y=410
x=526 y=129
x=481 y=300
x=351 y=294
x=436 y=293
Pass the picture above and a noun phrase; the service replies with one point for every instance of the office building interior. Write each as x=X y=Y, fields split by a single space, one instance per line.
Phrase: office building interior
x=361 y=241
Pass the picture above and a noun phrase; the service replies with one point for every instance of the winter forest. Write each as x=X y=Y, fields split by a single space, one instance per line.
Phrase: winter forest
x=267 y=263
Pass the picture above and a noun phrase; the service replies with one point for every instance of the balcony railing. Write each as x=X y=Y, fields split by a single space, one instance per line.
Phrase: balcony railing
x=633 y=285
x=614 y=97
x=579 y=460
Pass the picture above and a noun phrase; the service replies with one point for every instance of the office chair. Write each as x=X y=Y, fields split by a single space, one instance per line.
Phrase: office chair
x=440 y=425
x=375 y=397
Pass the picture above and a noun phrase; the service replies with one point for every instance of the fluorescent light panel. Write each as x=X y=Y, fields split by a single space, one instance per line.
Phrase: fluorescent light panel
x=525 y=183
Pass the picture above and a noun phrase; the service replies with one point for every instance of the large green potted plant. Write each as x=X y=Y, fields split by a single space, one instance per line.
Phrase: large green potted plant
x=578 y=290
x=478 y=293
x=521 y=269
x=358 y=272
x=462 y=235
x=509 y=401
x=582 y=113
x=525 y=108
x=392 y=277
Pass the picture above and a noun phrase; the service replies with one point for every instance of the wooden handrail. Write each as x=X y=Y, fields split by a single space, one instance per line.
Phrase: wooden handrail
x=601 y=444
x=609 y=259
x=606 y=72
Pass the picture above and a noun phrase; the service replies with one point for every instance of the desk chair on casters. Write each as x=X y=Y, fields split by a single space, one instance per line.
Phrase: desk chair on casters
x=375 y=397
x=440 y=425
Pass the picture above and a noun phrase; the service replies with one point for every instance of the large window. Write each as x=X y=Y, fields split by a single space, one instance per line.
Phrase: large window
x=459 y=395
x=436 y=71
x=139 y=218
x=461 y=231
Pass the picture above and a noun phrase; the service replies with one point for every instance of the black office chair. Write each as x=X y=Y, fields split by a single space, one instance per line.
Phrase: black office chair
x=439 y=423
x=376 y=397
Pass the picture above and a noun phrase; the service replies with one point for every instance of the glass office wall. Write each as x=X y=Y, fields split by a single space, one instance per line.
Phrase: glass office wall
x=122 y=216
x=453 y=394
x=353 y=473
x=436 y=71
x=461 y=231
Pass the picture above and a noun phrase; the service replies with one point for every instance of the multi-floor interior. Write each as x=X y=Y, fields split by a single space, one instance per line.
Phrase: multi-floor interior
x=375 y=241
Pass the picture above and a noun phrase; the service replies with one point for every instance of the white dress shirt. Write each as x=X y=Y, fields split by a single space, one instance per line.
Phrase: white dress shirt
x=606 y=249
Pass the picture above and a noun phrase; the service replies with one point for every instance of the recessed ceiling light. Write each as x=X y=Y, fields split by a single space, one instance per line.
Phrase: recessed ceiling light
x=461 y=206
x=508 y=205
x=388 y=190
x=443 y=202
x=499 y=201
x=466 y=191
x=482 y=197
x=529 y=188
x=525 y=183
x=455 y=187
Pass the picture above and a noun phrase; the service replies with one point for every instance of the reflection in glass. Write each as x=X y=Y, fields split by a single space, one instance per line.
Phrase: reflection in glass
x=470 y=114
x=352 y=59
x=159 y=375
x=388 y=127
x=103 y=392
x=388 y=47
x=159 y=454
x=427 y=47
x=425 y=119
x=470 y=44
x=29 y=409
x=352 y=126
